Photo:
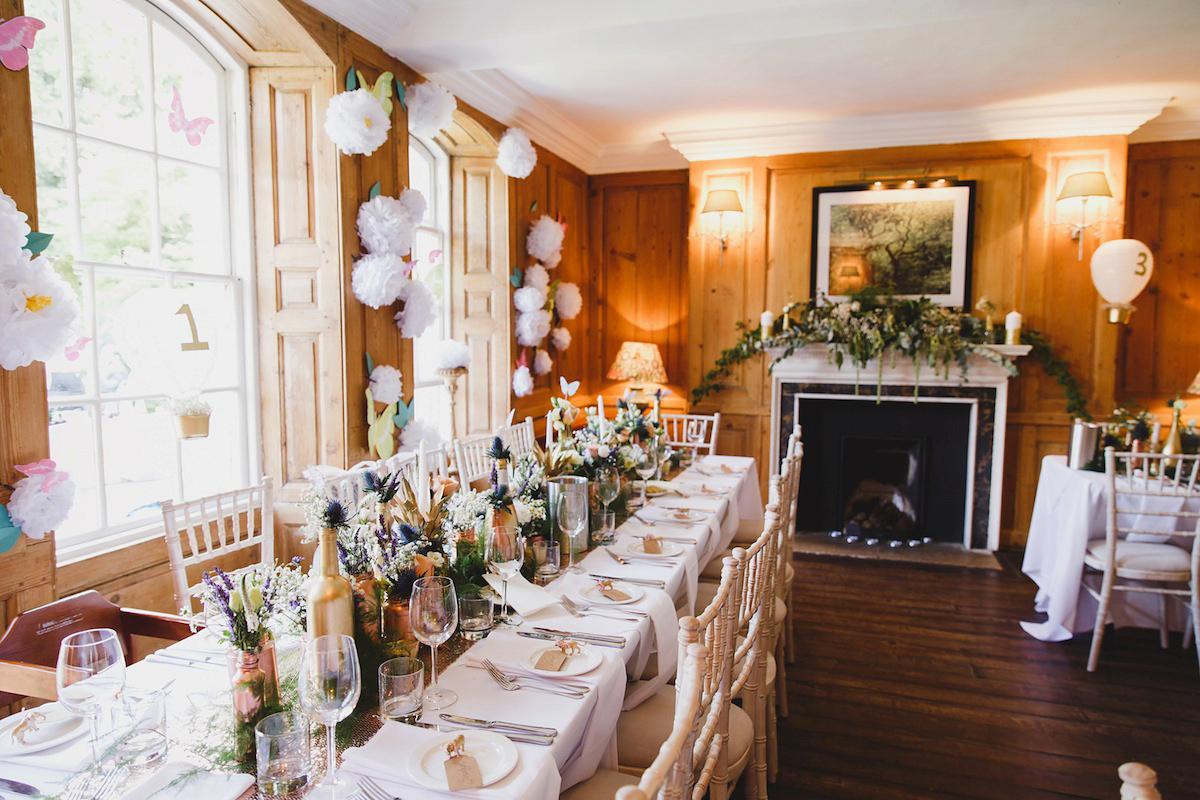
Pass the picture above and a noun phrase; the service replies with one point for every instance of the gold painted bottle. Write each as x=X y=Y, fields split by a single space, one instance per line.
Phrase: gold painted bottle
x=1173 y=446
x=330 y=598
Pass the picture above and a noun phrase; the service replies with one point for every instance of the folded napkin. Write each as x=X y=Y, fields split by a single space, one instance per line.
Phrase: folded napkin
x=385 y=759
x=179 y=780
x=522 y=595
x=69 y=757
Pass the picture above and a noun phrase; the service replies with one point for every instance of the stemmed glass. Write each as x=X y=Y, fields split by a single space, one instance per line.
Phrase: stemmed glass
x=433 y=614
x=571 y=514
x=89 y=676
x=504 y=550
x=646 y=463
x=695 y=435
x=329 y=685
x=608 y=486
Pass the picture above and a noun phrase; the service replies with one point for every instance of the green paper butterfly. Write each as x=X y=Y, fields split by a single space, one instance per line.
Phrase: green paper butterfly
x=380 y=429
x=515 y=278
x=404 y=414
x=382 y=89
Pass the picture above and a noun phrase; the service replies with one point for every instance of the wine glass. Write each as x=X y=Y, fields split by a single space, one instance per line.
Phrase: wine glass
x=89 y=676
x=571 y=514
x=329 y=685
x=694 y=434
x=433 y=614
x=608 y=486
x=645 y=462
x=504 y=550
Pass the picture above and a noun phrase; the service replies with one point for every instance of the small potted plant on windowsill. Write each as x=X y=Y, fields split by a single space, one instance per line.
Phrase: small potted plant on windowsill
x=191 y=416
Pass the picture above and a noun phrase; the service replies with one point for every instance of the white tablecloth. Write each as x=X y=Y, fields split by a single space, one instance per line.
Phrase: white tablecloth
x=1068 y=512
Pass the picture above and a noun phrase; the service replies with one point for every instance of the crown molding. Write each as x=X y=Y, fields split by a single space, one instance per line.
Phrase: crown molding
x=498 y=97
x=638 y=158
x=944 y=127
x=1159 y=130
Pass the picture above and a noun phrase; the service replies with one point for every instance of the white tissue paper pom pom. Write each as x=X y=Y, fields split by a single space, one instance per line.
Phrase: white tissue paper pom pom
x=453 y=354
x=568 y=301
x=529 y=298
x=553 y=260
x=545 y=239
x=379 y=279
x=536 y=275
x=14 y=228
x=430 y=108
x=37 y=310
x=420 y=310
x=414 y=205
x=542 y=362
x=37 y=512
x=385 y=226
x=387 y=384
x=515 y=155
x=533 y=327
x=356 y=122
x=522 y=382
x=415 y=432
x=560 y=338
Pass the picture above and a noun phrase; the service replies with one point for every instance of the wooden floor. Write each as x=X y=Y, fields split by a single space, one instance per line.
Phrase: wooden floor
x=915 y=681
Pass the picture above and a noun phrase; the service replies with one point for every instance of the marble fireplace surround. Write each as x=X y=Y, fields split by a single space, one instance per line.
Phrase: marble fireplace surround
x=809 y=373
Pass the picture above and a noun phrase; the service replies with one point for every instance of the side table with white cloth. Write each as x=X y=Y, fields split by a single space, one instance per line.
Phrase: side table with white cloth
x=1068 y=513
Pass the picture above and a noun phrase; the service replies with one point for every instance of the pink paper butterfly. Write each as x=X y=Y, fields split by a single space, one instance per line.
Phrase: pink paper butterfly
x=47 y=469
x=434 y=256
x=73 y=351
x=192 y=128
x=16 y=40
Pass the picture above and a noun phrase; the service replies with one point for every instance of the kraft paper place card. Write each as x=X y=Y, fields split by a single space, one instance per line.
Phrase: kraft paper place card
x=462 y=770
x=551 y=660
x=607 y=589
x=651 y=544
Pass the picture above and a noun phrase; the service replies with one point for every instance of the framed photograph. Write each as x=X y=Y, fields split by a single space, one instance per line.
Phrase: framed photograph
x=912 y=242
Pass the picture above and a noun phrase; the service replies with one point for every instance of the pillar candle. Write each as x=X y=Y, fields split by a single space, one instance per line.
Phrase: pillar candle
x=600 y=409
x=767 y=320
x=423 y=498
x=1012 y=328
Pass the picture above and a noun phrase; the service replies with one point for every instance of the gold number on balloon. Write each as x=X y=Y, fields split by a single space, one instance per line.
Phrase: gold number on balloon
x=1141 y=263
x=195 y=343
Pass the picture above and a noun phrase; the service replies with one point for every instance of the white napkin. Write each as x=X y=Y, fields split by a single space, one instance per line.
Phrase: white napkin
x=69 y=757
x=522 y=595
x=209 y=785
x=385 y=759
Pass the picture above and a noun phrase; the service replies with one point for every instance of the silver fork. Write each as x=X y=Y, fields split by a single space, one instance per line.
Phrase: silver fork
x=579 y=611
x=107 y=784
x=509 y=685
x=372 y=790
x=665 y=523
x=648 y=562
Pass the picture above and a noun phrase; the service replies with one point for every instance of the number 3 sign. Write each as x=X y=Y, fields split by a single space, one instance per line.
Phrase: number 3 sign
x=1120 y=271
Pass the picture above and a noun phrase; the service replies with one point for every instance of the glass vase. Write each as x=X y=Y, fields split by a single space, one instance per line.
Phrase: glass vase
x=248 y=689
x=399 y=641
x=266 y=662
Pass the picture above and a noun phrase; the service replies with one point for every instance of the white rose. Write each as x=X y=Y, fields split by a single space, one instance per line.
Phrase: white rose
x=522 y=511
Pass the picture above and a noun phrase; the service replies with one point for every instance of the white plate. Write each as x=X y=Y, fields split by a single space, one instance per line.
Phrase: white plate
x=677 y=515
x=59 y=726
x=577 y=664
x=668 y=549
x=497 y=757
x=635 y=593
x=655 y=491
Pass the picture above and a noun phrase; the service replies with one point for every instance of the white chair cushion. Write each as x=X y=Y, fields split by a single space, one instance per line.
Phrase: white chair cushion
x=749 y=530
x=601 y=786
x=642 y=730
x=1145 y=560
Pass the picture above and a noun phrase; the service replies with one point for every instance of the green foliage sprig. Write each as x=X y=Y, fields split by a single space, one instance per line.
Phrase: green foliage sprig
x=1056 y=367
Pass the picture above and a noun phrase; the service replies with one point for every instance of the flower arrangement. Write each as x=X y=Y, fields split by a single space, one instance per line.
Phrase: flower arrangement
x=259 y=602
x=515 y=155
x=189 y=406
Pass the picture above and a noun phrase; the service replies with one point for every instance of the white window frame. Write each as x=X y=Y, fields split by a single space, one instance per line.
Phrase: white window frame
x=234 y=172
x=436 y=222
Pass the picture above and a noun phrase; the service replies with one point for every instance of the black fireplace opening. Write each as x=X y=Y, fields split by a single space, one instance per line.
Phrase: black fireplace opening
x=881 y=487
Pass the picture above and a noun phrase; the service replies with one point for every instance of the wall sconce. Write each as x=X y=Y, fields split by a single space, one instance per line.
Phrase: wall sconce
x=718 y=204
x=1084 y=185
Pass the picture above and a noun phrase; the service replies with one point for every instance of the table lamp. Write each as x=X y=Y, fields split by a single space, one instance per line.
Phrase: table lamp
x=638 y=362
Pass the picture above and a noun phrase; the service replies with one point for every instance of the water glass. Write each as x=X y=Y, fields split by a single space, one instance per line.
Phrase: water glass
x=401 y=683
x=145 y=723
x=330 y=684
x=474 y=617
x=606 y=534
x=433 y=614
x=645 y=462
x=546 y=555
x=89 y=675
x=504 y=551
x=572 y=514
x=281 y=750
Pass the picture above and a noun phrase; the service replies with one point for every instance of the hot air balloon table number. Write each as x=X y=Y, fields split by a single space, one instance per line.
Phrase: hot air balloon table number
x=1121 y=269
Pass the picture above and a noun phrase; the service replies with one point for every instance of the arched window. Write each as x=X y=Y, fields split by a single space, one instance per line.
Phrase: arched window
x=429 y=173
x=141 y=177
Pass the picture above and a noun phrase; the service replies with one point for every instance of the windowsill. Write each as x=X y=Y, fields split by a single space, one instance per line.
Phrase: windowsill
x=72 y=553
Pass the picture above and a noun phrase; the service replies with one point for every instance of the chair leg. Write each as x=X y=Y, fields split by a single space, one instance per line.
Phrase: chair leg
x=757 y=783
x=772 y=740
x=1101 y=619
x=1187 y=628
x=1162 y=620
x=789 y=631
x=1195 y=609
x=781 y=701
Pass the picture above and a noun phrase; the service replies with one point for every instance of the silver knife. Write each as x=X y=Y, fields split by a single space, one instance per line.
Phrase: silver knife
x=601 y=637
x=16 y=787
x=535 y=730
x=638 y=581
x=527 y=738
x=548 y=637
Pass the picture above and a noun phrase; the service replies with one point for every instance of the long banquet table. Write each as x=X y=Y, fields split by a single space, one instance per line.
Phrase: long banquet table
x=724 y=489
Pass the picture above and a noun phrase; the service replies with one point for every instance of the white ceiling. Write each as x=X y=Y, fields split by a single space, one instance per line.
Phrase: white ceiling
x=645 y=84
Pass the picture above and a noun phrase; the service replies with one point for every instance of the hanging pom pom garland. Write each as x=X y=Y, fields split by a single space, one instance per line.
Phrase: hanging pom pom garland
x=356 y=122
x=515 y=155
x=430 y=108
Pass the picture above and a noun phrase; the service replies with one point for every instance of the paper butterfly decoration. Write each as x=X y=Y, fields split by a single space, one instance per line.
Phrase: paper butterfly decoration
x=73 y=351
x=404 y=414
x=16 y=40
x=8 y=532
x=47 y=468
x=382 y=89
x=193 y=129
x=515 y=278
x=380 y=429
x=568 y=389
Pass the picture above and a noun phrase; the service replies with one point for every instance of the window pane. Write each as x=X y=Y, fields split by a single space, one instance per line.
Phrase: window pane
x=48 y=64
x=111 y=56
x=420 y=176
x=214 y=464
x=214 y=309
x=69 y=373
x=73 y=448
x=192 y=219
x=431 y=406
x=178 y=66
x=126 y=363
x=139 y=459
x=54 y=190
x=116 y=189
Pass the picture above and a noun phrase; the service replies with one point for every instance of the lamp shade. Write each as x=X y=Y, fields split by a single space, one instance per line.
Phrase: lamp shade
x=722 y=200
x=1195 y=387
x=1086 y=184
x=638 y=361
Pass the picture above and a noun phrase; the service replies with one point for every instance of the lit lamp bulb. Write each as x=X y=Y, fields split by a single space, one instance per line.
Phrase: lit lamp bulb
x=1120 y=271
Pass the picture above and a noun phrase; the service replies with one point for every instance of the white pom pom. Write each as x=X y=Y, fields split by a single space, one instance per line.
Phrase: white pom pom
x=430 y=108
x=522 y=382
x=14 y=228
x=529 y=298
x=379 y=278
x=542 y=362
x=414 y=205
x=536 y=275
x=532 y=327
x=415 y=432
x=419 y=312
x=37 y=310
x=545 y=239
x=37 y=511
x=385 y=225
x=560 y=338
x=387 y=384
x=568 y=302
x=515 y=155
x=356 y=122
x=453 y=354
x=553 y=260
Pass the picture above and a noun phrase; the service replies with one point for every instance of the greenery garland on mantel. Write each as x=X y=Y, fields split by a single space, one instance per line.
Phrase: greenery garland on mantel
x=871 y=326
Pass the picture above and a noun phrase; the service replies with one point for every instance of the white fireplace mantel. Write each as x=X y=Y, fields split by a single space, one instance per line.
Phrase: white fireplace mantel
x=812 y=365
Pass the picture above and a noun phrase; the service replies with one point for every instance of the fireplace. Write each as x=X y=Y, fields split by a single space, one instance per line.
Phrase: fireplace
x=881 y=488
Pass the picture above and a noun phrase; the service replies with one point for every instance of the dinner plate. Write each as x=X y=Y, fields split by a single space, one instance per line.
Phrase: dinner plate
x=680 y=514
x=577 y=664
x=496 y=755
x=60 y=726
x=668 y=549
x=635 y=593
x=655 y=491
